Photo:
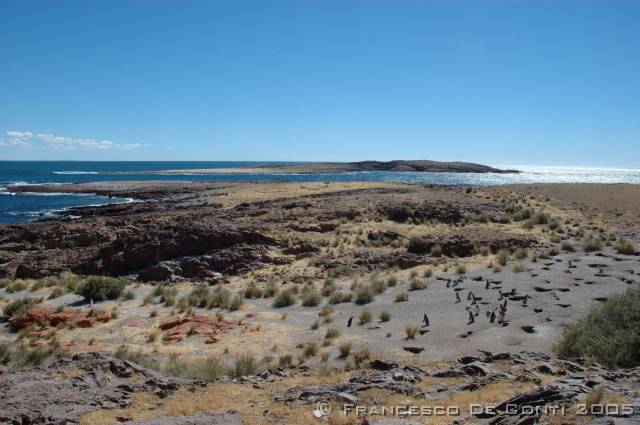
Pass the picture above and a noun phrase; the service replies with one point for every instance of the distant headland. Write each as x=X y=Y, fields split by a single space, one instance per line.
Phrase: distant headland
x=424 y=166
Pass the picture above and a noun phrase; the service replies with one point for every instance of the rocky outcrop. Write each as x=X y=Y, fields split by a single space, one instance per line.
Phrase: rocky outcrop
x=442 y=212
x=176 y=329
x=370 y=260
x=400 y=380
x=465 y=245
x=57 y=394
x=42 y=318
x=122 y=245
x=211 y=267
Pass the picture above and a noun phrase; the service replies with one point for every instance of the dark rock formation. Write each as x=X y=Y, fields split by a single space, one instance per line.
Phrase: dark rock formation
x=53 y=395
x=117 y=246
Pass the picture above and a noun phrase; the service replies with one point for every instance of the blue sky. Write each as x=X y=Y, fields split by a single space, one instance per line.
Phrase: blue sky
x=501 y=82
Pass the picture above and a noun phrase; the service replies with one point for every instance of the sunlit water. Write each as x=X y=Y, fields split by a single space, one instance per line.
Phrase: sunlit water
x=25 y=207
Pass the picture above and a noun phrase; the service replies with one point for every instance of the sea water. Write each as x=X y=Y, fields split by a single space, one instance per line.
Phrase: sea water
x=20 y=207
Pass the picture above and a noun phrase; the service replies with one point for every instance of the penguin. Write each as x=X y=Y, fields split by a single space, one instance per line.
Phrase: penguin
x=350 y=321
x=487 y=285
x=492 y=317
x=425 y=320
x=471 y=318
x=458 y=300
x=525 y=300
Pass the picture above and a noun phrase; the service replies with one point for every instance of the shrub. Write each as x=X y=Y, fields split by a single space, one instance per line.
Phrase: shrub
x=245 y=364
x=138 y=357
x=17 y=308
x=17 y=286
x=285 y=298
x=427 y=273
x=610 y=333
x=460 y=269
x=56 y=293
x=101 y=288
x=332 y=333
x=418 y=245
x=411 y=331
x=310 y=350
x=340 y=297
x=519 y=268
x=328 y=288
x=378 y=287
x=624 y=246
x=326 y=311
x=417 y=285
x=24 y=356
x=285 y=360
x=540 y=218
x=554 y=224
x=311 y=299
x=502 y=257
x=345 y=349
x=365 y=317
x=364 y=295
x=436 y=250
x=401 y=297
x=207 y=369
x=128 y=295
x=252 y=291
x=392 y=281
x=385 y=316
x=361 y=355
x=567 y=246
x=522 y=253
x=5 y=354
x=400 y=213
x=235 y=303
x=592 y=243
x=37 y=285
x=69 y=281
x=271 y=290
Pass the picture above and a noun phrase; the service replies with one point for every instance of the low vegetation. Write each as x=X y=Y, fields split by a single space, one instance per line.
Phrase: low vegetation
x=18 y=307
x=610 y=333
x=624 y=246
x=19 y=355
x=101 y=288
x=284 y=298
x=208 y=368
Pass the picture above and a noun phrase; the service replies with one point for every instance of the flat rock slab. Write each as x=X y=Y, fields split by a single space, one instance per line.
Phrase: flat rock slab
x=58 y=394
x=227 y=418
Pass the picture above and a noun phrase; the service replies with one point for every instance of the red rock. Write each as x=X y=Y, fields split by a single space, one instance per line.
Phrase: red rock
x=44 y=316
x=178 y=328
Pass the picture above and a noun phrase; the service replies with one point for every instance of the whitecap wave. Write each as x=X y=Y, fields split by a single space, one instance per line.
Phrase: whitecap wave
x=75 y=172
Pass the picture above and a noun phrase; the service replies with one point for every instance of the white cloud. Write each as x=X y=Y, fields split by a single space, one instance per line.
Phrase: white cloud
x=14 y=142
x=22 y=138
x=19 y=134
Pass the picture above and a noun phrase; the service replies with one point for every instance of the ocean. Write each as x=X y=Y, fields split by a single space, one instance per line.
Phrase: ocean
x=16 y=208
